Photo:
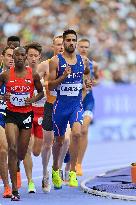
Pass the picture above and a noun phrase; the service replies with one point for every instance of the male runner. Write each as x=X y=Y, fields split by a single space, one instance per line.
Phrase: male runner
x=47 y=124
x=88 y=103
x=7 y=58
x=13 y=41
x=33 y=51
x=20 y=83
x=66 y=75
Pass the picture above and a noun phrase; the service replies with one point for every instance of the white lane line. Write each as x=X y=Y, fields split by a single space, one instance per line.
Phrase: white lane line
x=104 y=194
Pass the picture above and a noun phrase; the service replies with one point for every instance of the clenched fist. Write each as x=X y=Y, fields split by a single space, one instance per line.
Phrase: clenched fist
x=67 y=71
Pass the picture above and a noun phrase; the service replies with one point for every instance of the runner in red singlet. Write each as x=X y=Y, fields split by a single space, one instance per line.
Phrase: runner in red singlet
x=20 y=83
x=33 y=51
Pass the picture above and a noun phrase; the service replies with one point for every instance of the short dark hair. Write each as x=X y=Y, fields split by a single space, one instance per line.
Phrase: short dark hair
x=69 y=31
x=84 y=40
x=13 y=38
x=34 y=45
x=6 y=48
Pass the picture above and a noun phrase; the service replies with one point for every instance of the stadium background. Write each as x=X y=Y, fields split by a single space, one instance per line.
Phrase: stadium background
x=111 y=28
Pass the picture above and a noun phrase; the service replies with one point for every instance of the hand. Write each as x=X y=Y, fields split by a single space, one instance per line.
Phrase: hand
x=87 y=66
x=67 y=71
x=28 y=101
x=7 y=96
x=87 y=62
x=88 y=83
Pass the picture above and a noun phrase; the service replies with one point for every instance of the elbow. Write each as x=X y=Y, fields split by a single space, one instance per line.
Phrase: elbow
x=50 y=87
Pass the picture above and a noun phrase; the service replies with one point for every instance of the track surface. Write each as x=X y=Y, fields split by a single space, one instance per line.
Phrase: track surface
x=100 y=157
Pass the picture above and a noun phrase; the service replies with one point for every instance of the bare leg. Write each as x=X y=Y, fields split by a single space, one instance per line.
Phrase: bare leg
x=56 y=151
x=74 y=145
x=12 y=134
x=65 y=146
x=38 y=142
x=23 y=143
x=3 y=157
x=28 y=164
x=83 y=139
x=46 y=149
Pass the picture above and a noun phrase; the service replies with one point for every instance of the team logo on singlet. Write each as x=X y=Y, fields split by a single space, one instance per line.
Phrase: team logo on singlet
x=81 y=63
x=27 y=81
x=63 y=66
x=27 y=120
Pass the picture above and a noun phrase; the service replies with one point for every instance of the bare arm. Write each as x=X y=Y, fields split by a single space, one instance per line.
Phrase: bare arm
x=4 y=77
x=96 y=73
x=39 y=88
x=53 y=81
x=43 y=70
x=86 y=65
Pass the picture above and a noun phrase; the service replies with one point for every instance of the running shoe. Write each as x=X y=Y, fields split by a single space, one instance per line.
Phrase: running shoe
x=79 y=170
x=19 y=183
x=56 y=179
x=46 y=187
x=7 y=192
x=31 y=187
x=15 y=196
x=73 y=179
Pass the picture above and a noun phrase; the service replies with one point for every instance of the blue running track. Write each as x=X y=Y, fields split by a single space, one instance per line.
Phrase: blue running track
x=100 y=157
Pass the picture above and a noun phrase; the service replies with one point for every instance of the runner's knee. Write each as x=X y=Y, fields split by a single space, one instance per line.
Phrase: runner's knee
x=36 y=151
x=76 y=135
x=12 y=150
x=4 y=148
x=84 y=131
x=21 y=155
x=67 y=141
x=59 y=141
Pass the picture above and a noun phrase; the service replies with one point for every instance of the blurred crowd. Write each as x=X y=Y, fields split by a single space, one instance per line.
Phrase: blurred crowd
x=110 y=25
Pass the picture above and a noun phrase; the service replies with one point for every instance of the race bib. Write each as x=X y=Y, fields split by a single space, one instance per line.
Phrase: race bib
x=18 y=99
x=2 y=105
x=70 y=89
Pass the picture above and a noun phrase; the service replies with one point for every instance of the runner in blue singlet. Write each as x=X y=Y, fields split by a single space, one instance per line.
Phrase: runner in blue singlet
x=67 y=78
x=88 y=103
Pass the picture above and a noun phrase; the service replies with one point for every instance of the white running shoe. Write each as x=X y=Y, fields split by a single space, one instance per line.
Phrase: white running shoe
x=46 y=187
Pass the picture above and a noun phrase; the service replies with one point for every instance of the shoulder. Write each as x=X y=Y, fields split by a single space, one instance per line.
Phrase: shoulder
x=54 y=61
x=36 y=76
x=43 y=63
x=85 y=59
x=4 y=76
x=95 y=64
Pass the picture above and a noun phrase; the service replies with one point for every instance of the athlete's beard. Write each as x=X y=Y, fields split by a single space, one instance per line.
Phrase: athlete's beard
x=70 y=50
x=19 y=66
